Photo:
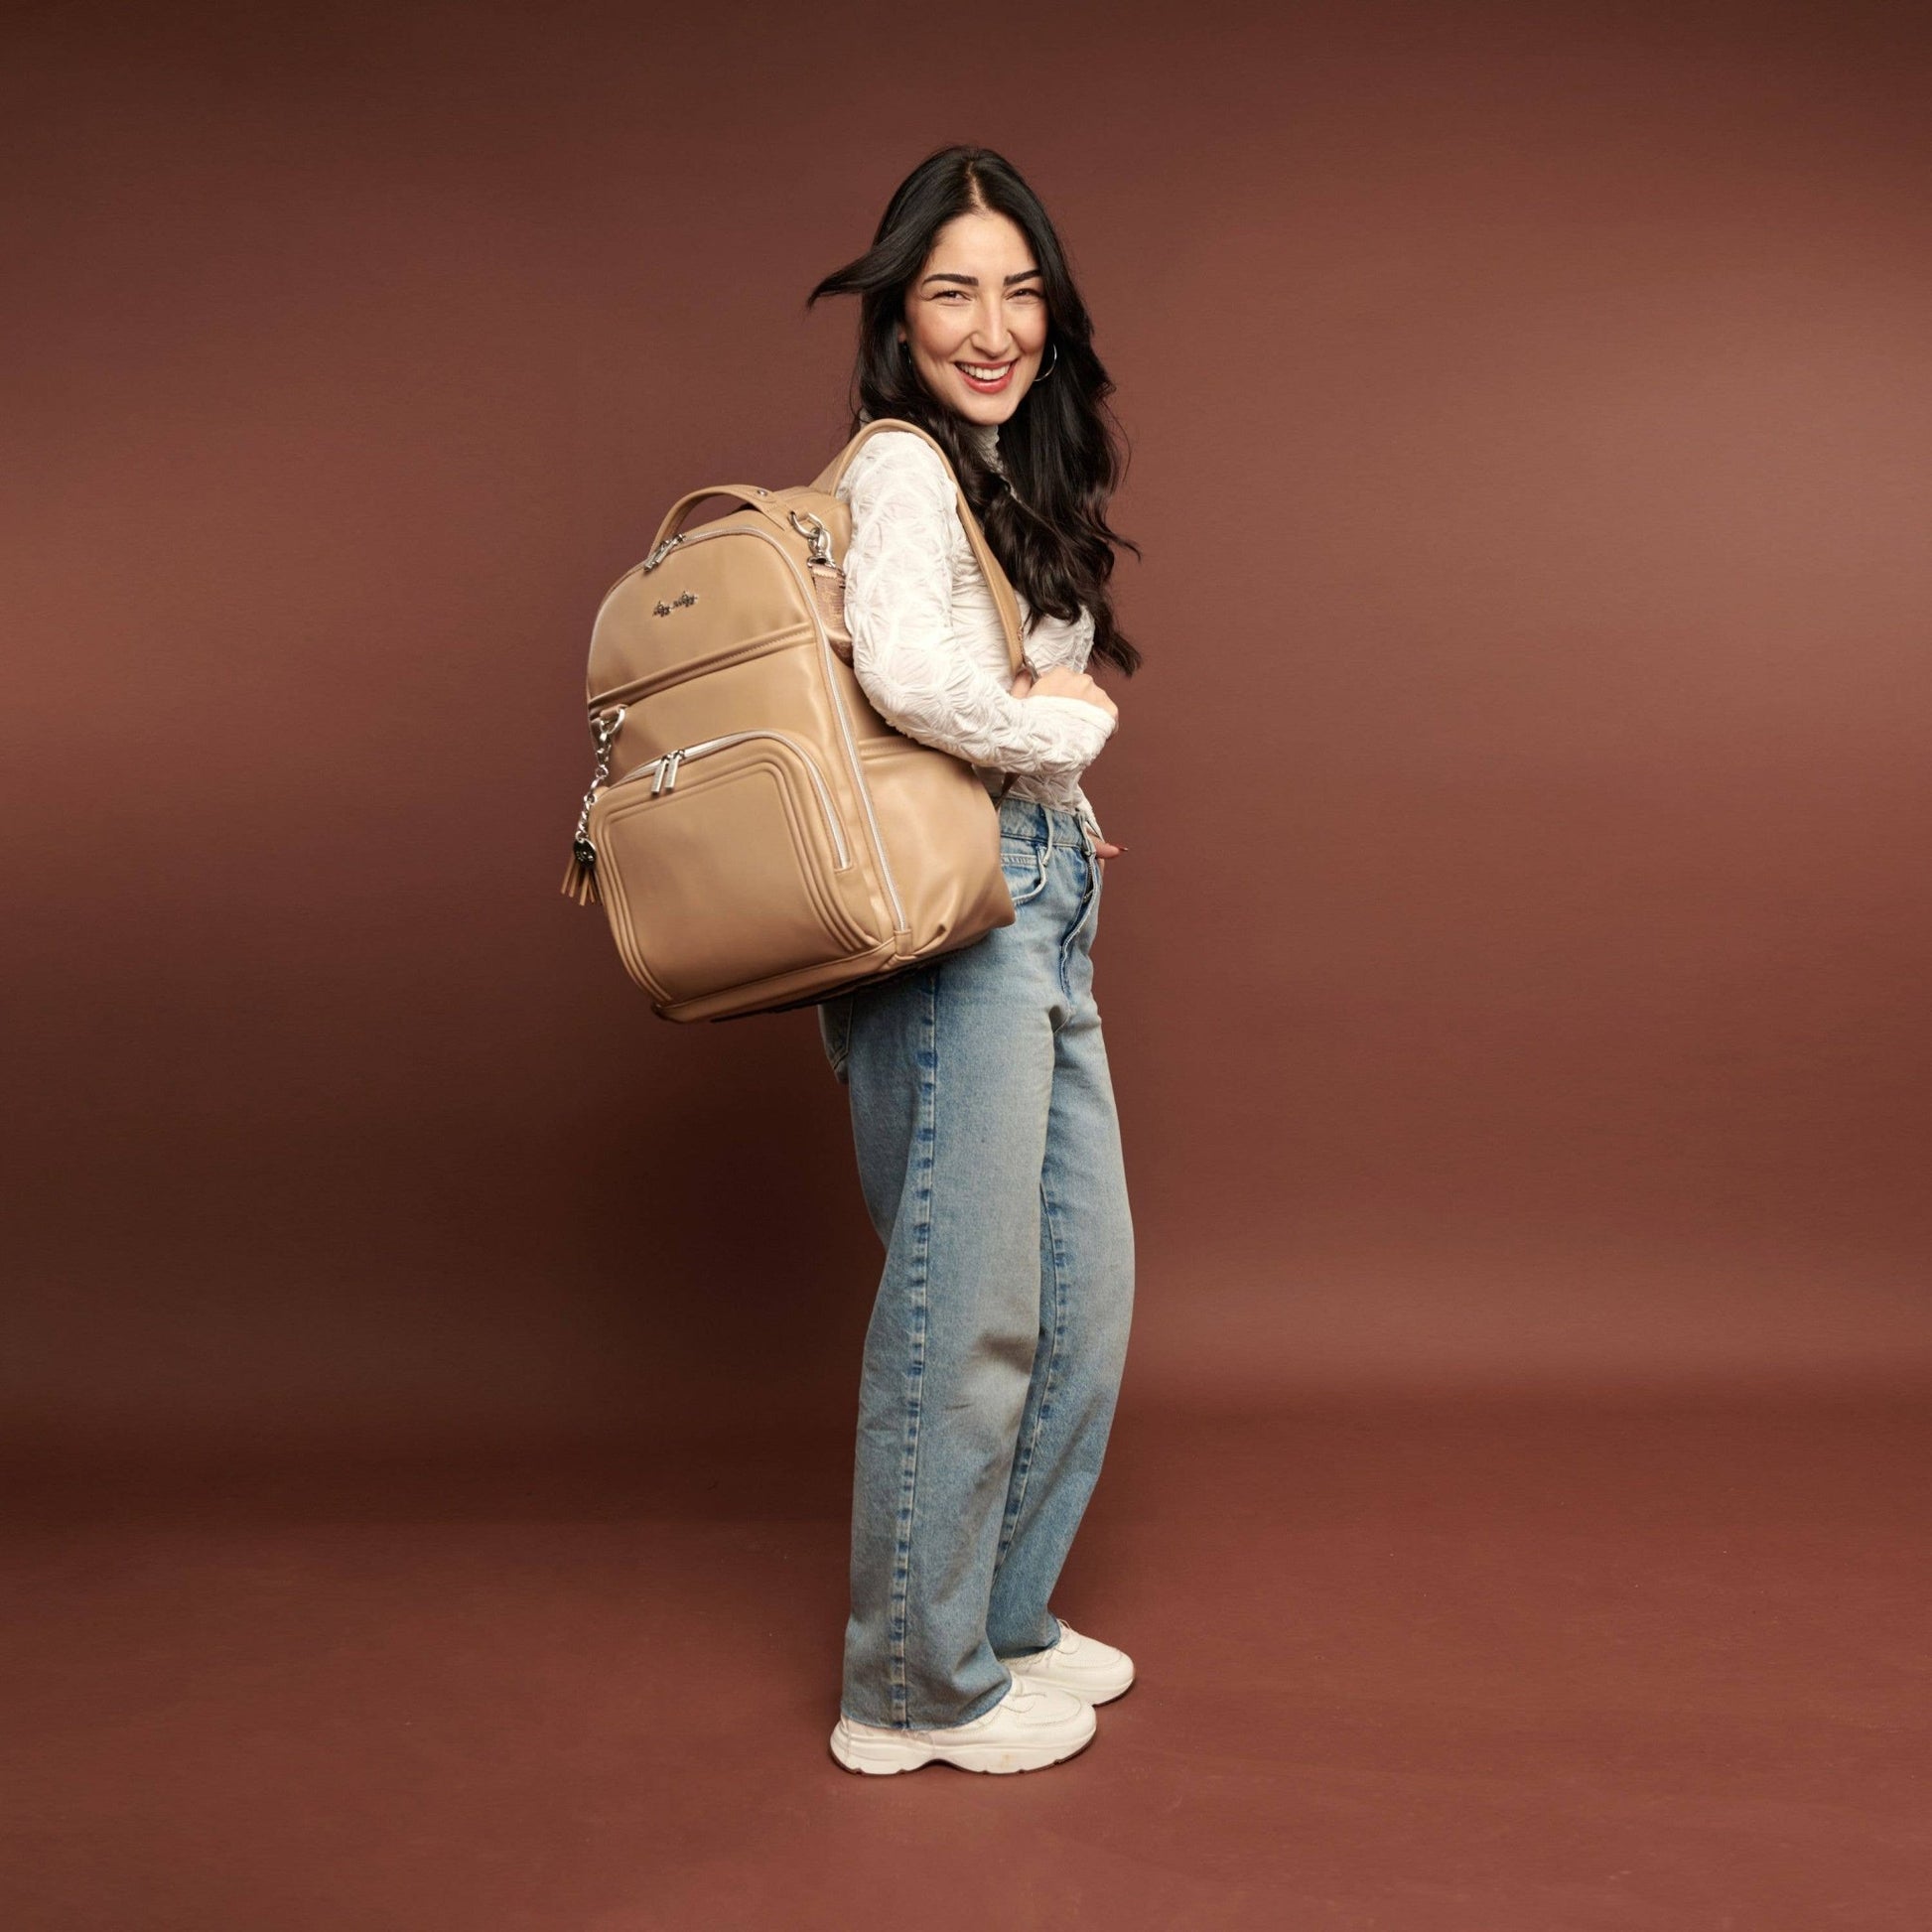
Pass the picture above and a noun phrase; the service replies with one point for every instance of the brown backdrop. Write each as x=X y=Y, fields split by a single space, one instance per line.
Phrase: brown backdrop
x=1518 y=975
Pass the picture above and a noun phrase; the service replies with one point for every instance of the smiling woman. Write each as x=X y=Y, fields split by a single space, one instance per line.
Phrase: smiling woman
x=966 y=276
x=972 y=328
x=957 y=307
x=982 y=1105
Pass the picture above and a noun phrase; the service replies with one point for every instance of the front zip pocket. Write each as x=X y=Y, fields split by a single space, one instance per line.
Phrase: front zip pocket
x=719 y=863
x=662 y=772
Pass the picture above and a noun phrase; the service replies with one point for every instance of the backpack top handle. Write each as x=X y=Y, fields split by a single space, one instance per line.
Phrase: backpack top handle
x=751 y=495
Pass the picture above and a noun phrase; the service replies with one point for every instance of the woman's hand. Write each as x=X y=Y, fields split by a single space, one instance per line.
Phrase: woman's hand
x=1063 y=682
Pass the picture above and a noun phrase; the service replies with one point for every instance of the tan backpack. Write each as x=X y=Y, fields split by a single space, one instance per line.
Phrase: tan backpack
x=760 y=837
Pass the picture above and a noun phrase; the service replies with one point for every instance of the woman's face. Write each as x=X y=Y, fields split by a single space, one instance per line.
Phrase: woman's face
x=978 y=310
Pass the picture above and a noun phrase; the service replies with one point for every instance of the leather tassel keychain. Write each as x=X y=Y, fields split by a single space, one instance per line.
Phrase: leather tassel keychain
x=580 y=878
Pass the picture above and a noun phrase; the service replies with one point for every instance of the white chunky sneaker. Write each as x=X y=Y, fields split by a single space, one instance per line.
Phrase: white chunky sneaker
x=1090 y=1669
x=1034 y=1725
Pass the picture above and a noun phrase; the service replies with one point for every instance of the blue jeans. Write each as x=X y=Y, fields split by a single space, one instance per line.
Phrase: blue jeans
x=990 y=1159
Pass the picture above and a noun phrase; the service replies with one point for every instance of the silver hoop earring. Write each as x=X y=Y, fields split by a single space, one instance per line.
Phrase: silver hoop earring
x=1052 y=365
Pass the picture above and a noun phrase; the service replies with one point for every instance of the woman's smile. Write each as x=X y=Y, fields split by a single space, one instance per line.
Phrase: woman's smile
x=987 y=378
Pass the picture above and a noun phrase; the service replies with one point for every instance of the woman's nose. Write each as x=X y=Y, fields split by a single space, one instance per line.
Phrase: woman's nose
x=990 y=335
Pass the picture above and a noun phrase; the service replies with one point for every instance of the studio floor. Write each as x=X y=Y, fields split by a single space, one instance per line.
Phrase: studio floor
x=1587 y=1664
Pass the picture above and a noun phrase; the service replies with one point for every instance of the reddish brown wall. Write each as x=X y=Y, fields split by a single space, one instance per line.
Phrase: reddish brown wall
x=1520 y=965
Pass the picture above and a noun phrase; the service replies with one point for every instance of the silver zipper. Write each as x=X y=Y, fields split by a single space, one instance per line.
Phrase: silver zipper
x=831 y=691
x=662 y=773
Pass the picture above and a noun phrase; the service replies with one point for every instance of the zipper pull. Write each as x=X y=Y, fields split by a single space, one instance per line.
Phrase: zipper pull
x=666 y=773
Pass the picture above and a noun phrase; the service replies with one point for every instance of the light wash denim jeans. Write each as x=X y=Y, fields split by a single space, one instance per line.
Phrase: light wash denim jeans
x=990 y=1159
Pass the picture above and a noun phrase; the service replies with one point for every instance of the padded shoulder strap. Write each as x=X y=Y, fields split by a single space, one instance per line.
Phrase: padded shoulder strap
x=1004 y=598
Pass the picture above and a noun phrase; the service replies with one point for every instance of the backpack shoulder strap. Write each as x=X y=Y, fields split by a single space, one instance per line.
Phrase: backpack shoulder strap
x=1005 y=600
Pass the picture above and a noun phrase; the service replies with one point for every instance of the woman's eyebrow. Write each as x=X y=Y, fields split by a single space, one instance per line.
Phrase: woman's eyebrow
x=973 y=281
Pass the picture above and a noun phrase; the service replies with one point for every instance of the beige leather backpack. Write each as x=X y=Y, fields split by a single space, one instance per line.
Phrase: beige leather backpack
x=759 y=835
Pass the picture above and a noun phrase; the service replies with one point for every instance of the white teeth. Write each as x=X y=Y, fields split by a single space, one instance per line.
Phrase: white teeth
x=985 y=374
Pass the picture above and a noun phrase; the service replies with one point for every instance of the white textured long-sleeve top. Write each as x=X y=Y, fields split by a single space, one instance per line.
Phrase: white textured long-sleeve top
x=927 y=647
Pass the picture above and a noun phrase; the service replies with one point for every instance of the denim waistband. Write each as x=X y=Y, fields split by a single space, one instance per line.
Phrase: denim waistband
x=1047 y=825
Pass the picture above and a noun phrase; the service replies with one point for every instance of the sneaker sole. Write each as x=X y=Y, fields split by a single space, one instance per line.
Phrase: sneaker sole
x=878 y=1757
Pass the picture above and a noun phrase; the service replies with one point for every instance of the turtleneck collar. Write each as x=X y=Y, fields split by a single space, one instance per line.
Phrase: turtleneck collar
x=985 y=435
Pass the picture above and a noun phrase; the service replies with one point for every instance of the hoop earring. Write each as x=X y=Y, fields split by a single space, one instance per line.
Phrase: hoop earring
x=1052 y=365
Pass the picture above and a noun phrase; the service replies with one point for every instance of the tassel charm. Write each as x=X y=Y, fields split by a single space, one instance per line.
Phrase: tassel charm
x=580 y=876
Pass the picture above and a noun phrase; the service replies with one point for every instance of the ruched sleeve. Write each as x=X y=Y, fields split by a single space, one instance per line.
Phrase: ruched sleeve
x=898 y=606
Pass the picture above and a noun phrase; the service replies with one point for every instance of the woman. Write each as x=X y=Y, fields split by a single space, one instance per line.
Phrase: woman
x=982 y=1108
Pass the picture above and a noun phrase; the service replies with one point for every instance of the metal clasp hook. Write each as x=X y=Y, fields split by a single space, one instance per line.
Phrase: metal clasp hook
x=818 y=535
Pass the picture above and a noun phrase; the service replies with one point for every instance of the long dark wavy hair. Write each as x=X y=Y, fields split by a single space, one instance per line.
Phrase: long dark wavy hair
x=1063 y=447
